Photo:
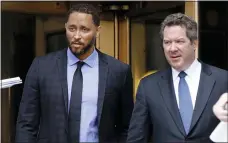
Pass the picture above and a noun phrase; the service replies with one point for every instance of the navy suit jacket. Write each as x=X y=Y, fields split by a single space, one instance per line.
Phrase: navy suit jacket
x=43 y=110
x=156 y=115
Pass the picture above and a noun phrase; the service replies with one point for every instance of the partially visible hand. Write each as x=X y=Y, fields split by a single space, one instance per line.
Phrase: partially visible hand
x=220 y=109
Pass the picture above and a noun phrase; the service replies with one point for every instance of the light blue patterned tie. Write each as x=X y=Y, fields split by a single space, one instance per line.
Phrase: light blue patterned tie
x=185 y=102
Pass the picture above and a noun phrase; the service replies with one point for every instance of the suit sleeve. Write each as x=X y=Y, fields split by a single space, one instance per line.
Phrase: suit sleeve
x=139 y=130
x=126 y=107
x=29 y=111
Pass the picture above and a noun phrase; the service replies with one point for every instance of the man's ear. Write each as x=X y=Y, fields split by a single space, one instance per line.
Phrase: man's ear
x=195 y=44
x=98 y=31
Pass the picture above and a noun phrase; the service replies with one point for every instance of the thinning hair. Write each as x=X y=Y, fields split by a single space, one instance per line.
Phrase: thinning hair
x=179 y=19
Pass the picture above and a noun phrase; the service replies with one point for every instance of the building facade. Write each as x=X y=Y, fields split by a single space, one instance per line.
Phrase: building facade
x=129 y=33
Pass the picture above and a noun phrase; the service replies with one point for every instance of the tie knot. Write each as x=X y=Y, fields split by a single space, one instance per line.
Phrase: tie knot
x=80 y=64
x=182 y=74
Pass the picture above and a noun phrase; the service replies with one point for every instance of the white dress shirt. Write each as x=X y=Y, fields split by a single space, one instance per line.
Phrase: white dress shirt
x=192 y=78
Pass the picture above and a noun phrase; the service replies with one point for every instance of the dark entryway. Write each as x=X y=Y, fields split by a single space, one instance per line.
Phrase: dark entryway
x=213 y=33
x=17 y=52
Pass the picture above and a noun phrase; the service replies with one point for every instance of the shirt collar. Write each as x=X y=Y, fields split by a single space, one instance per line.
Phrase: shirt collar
x=192 y=69
x=189 y=71
x=91 y=61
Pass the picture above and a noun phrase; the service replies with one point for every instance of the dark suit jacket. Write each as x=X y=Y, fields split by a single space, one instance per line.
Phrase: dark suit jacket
x=156 y=114
x=43 y=110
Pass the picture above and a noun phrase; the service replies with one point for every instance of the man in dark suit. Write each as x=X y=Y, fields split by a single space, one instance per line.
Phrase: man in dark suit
x=175 y=105
x=77 y=94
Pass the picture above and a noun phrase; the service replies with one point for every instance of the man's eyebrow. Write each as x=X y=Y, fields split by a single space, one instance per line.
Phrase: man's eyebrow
x=180 y=39
x=71 y=25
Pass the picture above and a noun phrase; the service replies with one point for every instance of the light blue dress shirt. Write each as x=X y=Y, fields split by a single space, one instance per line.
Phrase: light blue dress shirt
x=88 y=125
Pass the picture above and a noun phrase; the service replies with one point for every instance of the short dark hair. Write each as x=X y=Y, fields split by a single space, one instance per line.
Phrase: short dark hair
x=85 y=8
x=181 y=20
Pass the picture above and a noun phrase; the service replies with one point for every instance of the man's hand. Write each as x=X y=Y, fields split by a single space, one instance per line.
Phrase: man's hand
x=220 y=109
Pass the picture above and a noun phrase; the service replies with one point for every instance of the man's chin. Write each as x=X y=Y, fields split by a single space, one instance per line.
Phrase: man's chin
x=77 y=51
x=80 y=51
x=76 y=48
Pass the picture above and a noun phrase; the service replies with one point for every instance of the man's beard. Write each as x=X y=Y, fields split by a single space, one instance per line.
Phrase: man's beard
x=84 y=50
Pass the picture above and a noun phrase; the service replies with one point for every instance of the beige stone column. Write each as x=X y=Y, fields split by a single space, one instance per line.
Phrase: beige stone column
x=191 y=9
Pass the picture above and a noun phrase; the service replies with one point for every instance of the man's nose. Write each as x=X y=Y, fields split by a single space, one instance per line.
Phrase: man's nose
x=173 y=47
x=77 y=35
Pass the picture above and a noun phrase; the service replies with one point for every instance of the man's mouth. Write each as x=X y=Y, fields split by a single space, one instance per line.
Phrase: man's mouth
x=174 y=57
x=75 y=43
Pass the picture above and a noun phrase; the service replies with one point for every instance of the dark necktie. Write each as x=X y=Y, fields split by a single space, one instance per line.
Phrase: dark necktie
x=185 y=102
x=75 y=105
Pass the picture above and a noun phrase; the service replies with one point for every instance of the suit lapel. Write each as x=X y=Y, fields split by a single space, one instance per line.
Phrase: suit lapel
x=103 y=71
x=62 y=67
x=168 y=94
x=204 y=91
